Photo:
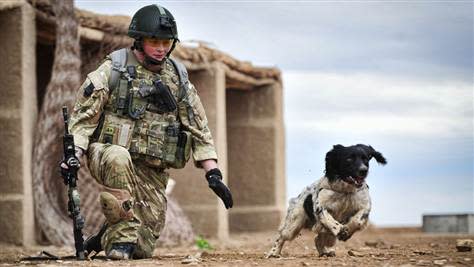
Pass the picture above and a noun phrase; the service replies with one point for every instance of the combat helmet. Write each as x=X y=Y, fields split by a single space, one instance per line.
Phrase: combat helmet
x=153 y=21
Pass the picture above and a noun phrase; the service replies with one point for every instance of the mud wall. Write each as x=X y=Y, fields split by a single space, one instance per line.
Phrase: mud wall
x=256 y=158
x=18 y=111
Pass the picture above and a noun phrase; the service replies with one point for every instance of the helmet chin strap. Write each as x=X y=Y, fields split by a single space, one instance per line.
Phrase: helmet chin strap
x=149 y=61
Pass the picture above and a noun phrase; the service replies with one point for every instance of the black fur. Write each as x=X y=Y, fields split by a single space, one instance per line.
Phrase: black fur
x=308 y=208
x=353 y=161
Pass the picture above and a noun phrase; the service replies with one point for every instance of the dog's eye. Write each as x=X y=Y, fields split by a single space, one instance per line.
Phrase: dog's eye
x=349 y=159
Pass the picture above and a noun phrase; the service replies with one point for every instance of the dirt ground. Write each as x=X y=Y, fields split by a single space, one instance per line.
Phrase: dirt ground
x=373 y=247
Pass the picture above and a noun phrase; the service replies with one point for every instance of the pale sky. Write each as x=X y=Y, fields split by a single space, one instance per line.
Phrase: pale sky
x=396 y=75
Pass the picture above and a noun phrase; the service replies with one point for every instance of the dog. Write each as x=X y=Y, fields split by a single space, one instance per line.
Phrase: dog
x=334 y=207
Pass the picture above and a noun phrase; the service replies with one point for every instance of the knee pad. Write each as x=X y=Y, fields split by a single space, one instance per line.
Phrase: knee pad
x=116 y=209
x=118 y=156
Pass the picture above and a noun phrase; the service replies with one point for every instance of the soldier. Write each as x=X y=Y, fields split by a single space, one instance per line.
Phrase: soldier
x=135 y=116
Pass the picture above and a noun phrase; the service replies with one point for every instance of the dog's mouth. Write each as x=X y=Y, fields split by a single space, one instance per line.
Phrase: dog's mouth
x=358 y=181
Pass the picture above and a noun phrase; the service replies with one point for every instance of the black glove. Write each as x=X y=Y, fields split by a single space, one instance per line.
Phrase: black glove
x=214 y=178
x=74 y=162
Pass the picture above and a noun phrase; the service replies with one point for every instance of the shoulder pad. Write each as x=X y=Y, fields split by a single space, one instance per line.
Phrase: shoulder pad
x=119 y=59
x=183 y=76
x=182 y=72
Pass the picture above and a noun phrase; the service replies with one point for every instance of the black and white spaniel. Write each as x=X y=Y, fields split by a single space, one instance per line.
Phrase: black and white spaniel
x=334 y=207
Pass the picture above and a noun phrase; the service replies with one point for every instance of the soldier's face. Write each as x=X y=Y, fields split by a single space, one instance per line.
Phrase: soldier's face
x=157 y=48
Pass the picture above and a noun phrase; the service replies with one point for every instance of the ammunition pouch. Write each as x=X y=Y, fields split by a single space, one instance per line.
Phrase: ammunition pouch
x=183 y=150
x=116 y=130
x=158 y=142
x=136 y=105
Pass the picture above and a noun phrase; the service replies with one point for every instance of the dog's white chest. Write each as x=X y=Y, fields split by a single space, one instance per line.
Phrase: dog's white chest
x=343 y=205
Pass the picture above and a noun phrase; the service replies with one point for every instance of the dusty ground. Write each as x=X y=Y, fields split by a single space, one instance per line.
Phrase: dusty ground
x=374 y=247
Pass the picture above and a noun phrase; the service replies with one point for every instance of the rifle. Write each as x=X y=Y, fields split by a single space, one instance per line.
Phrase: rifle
x=70 y=178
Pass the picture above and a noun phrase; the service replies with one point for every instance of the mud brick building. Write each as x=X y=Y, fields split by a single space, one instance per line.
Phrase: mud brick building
x=449 y=223
x=243 y=104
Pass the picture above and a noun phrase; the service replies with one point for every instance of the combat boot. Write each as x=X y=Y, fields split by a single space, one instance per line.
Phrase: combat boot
x=92 y=243
x=121 y=251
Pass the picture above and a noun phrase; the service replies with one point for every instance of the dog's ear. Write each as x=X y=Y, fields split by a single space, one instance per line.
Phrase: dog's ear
x=331 y=162
x=337 y=147
x=372 y=153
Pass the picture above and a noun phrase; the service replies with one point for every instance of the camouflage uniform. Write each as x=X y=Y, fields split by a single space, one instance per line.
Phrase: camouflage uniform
x=129 y=172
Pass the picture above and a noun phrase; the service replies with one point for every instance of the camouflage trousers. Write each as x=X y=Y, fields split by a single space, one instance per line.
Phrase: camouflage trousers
x=138 y=184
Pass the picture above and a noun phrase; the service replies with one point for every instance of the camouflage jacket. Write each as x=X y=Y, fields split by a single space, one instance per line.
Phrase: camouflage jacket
x=94 y=96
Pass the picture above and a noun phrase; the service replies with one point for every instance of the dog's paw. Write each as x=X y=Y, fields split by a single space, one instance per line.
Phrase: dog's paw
x=328 y=254
x=272 y=254
x=343 y=234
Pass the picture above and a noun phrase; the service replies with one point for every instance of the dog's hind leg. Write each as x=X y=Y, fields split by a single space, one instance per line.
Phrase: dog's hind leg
x=276 y=248
x=294 y=222
x=325 y=242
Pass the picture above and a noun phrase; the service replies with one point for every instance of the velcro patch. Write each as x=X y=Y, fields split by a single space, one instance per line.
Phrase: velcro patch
x=88 y=90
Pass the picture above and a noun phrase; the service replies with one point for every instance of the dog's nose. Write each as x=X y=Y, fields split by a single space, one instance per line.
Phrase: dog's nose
x=363 y=172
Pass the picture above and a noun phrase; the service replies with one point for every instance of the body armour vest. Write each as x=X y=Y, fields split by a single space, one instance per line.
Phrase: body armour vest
x=141 y=115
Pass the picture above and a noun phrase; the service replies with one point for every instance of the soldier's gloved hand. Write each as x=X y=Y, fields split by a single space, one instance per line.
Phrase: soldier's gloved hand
x=214 y=178
x=78 y=154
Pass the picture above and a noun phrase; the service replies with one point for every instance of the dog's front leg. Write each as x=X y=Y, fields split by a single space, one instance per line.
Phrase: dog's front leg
x=321 y=204
x=357 y=222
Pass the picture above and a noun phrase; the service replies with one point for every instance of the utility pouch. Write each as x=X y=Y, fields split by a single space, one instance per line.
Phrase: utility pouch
x=163 y=97
x=183 y=149
x=136 y=105
x=117 y=131
x=122 y=93
x=171 y=137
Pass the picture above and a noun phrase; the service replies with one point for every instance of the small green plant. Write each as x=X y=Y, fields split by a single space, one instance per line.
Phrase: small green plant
x=202 y=243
